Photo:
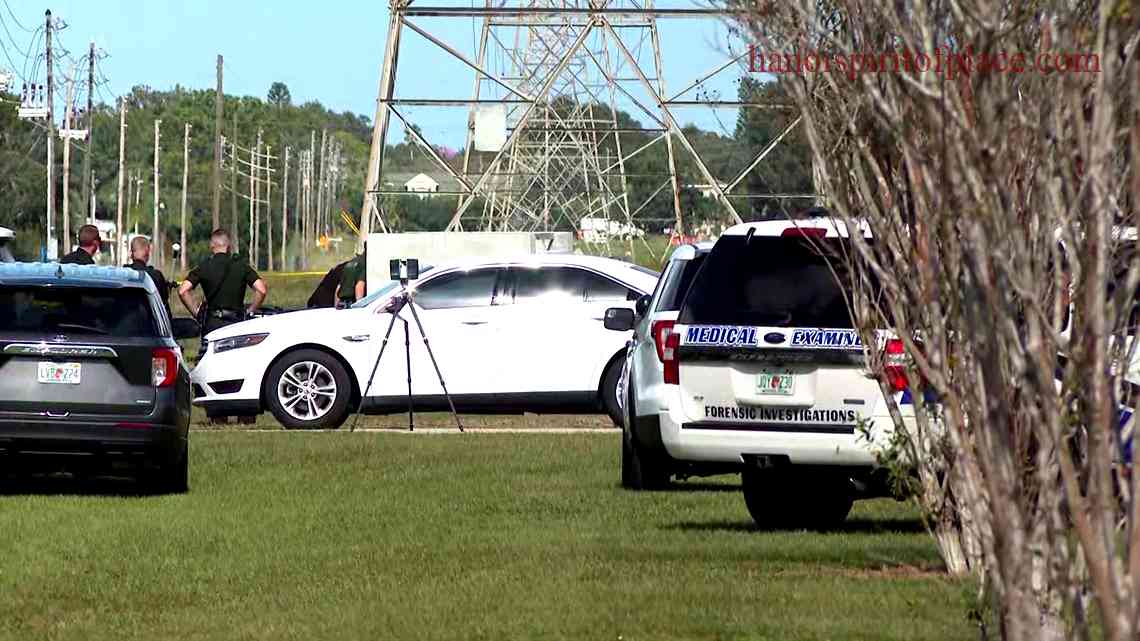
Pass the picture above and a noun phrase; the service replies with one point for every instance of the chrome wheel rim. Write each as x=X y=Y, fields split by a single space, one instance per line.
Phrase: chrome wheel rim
x=306 y=390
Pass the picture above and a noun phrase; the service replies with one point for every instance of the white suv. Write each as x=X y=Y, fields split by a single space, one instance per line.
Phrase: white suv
x=763 y=374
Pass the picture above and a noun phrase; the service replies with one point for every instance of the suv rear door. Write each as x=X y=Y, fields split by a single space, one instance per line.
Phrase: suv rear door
x=77 y=351
x=765 y=341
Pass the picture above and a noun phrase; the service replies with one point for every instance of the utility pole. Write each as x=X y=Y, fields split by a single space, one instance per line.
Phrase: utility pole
x=321 y=182
x=68 y=113
x=252 y=196
x=255 y=228
x=185 y=179
x=122 y=170
x=155 y=238
x=268 y=210
x=88 y=182
x=51 y=243
x=298 y=209
x=216 y=181
x=310 y=237
x=284 y=207
x=236 y=233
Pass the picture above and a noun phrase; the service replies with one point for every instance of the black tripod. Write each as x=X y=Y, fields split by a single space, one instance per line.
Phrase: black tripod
x=404 y=298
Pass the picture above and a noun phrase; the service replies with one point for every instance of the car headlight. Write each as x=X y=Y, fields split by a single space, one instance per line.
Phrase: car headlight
x=235 y=342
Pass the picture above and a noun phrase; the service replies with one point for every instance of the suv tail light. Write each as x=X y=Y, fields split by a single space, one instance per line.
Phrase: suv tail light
x=669 y=358
x=805 y=232
x=661 y=329
x=894 y=360
x=163 y=367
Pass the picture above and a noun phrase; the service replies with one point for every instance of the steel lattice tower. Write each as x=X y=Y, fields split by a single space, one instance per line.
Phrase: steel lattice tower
x=565 y=68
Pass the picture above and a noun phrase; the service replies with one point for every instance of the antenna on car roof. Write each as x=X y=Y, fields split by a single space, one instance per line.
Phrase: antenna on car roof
x=748 y=235
x=59 y=271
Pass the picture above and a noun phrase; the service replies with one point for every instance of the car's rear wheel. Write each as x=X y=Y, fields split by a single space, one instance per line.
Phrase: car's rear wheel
x=170 y=478
x=640 y=469
x=308 y=389
x=783 y=498
x=611 y=383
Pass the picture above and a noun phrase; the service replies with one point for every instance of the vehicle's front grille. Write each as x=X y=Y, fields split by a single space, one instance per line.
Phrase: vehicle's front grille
x=227 y=387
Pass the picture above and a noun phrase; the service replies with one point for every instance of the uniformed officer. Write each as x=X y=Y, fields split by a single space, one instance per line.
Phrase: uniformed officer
x=89 y=242
x=352 y=278
x=224 y=279
x=140 y=257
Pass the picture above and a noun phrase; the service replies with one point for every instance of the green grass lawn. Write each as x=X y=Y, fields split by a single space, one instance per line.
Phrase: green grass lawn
x=480 y=536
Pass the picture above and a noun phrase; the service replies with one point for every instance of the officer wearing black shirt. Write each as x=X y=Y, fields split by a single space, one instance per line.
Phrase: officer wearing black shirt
x=224 y=279
x=140 y=256
x=89 y=242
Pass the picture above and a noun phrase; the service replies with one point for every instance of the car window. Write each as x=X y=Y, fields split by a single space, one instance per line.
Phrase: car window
x=548 y=284
x=783 y=282
x=602 y=289
x=125 y=312
x=677 y=283
x=458 y=289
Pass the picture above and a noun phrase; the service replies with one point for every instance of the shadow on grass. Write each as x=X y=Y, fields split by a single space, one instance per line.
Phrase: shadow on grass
x=70 y=485
x=850 y=526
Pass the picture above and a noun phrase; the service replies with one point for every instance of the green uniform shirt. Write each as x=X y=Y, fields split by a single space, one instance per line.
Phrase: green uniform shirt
x=230 y=285
x=355 y=270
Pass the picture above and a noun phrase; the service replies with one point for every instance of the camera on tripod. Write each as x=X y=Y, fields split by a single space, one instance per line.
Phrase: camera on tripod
x=404 y=269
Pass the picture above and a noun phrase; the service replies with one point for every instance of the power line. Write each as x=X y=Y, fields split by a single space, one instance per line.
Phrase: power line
x=14 y=18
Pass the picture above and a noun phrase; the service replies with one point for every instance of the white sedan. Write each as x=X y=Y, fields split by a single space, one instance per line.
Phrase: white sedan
x=510 y=336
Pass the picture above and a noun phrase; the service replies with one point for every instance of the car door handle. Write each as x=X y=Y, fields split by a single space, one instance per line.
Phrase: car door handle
x=474 y=322
x=356 y=338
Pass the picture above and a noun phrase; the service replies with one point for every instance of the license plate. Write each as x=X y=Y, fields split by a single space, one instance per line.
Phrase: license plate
x=775 y=383
x=65 y=373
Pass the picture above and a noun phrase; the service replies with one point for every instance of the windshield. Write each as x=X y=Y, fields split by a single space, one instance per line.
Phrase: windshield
x=384 y=290
x=770 y=281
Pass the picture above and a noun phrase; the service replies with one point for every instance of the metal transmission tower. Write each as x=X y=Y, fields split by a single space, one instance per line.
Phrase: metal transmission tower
x=547 y=139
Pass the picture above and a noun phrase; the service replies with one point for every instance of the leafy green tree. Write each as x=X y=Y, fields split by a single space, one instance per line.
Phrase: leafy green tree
x=279 y=95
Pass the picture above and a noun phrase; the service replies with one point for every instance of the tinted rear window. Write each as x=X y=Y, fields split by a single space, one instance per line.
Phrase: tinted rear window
x=676 y=287
x=780 y=282
x=76 y=310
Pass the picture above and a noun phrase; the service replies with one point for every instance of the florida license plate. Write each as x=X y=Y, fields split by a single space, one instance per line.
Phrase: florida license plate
x=775 y=383
x=64 y=373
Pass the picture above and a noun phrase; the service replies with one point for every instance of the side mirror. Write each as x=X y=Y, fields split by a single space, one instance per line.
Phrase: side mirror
x=184 y=328
x=642 y=305
x=619 y=319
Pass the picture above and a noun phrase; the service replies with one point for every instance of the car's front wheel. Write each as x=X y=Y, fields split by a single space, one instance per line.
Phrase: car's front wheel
x=308 y=389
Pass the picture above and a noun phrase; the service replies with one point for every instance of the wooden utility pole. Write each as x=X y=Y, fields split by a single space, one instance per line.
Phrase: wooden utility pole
x=88 y=182
x=252 y=196
x=298 y=209
x=268 y=210
x=156 y=231
x=255 y=230
x=185 y=179
x=67 y=110
x=236 y=231
x=321 y=182
x=122 y=171
x=310 y=237
x=216 y=180
x=284 y=207
x=52 y=244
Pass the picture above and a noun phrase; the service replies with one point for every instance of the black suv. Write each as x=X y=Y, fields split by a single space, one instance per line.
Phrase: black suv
x=91 y=374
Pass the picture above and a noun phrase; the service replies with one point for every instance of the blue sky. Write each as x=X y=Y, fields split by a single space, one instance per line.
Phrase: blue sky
x=328 y=51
